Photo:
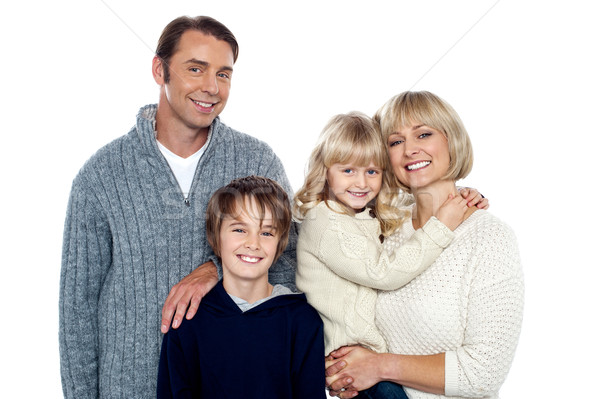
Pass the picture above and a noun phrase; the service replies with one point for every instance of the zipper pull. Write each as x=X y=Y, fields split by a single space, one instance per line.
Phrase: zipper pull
x=186 y=201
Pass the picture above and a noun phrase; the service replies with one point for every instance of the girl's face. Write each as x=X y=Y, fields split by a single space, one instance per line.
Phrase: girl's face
x=419 y=155
x=354 y=186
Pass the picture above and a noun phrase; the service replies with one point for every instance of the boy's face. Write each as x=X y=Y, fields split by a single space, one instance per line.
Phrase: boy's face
x=248 y=244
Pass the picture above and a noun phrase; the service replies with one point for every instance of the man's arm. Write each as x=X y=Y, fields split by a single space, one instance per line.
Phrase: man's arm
x=86 y=259
x=189 y=291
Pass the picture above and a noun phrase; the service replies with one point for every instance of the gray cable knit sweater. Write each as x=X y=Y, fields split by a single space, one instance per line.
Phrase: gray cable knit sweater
x=129 y=237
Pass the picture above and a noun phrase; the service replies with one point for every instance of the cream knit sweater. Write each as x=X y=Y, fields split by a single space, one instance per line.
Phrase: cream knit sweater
x=341 y=263
x=468 y=305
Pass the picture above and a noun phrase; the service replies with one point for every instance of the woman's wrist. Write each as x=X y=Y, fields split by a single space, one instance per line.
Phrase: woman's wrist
x=388 y=367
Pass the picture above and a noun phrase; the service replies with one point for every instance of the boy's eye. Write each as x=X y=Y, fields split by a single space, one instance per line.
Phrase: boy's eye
x=268 y=234
x=238 y=230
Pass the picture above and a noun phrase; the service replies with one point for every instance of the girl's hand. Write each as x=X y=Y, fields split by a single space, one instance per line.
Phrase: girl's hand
x=474 y=198
x=452 y=212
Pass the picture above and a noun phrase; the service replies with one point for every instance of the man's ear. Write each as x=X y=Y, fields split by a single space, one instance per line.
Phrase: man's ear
x=157 y=70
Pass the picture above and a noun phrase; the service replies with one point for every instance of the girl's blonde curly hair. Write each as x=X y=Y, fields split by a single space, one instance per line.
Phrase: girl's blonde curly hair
x=349 y=138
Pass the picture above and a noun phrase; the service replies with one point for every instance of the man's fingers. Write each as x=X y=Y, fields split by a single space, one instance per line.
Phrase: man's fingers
x=194 y=305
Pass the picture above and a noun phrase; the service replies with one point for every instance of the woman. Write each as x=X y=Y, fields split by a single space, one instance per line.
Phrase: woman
x=453 y=330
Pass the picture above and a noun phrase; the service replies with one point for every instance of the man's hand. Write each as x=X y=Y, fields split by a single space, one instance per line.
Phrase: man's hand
x=188 y=292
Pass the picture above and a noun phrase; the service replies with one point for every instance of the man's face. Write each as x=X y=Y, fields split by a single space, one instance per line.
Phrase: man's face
x=200 y=77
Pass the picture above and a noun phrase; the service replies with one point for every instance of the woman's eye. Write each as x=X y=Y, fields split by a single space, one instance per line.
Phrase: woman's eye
x=424 y=135
x=395 y=143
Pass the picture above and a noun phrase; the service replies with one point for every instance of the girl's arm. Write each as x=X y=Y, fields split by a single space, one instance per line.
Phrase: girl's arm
x=353 y=251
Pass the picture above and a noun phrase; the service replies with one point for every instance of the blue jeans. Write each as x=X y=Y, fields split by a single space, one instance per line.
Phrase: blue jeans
x=383 y=390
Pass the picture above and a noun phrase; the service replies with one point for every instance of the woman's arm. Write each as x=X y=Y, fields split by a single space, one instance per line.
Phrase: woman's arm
x=366 y=368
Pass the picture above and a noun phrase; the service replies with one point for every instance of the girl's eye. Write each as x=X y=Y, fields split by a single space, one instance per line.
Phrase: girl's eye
x=238 y=230
x=347 y=170
x=372 y=172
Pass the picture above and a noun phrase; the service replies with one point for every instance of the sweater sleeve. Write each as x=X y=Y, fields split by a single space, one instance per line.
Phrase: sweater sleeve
x=494 y=315
x=353 y=251
x=86 y=260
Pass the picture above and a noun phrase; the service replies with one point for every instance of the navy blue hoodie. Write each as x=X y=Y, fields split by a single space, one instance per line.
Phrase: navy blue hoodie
x=274 y=350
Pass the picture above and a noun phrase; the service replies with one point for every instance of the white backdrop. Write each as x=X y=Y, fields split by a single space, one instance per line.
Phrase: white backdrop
x=522 y=74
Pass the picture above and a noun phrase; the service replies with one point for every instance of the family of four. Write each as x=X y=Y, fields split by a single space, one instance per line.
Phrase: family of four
x=183 y=275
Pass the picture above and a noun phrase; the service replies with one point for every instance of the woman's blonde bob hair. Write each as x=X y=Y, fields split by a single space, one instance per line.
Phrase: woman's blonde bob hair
x=422 y=107
x=348 y=138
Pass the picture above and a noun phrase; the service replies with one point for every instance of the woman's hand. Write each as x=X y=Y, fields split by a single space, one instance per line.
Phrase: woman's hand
x=351 y=369
x=474 y=198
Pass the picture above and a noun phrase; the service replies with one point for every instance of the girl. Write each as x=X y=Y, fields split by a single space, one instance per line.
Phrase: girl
x=345 y=208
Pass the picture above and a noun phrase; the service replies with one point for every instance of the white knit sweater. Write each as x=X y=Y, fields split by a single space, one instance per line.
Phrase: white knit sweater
x=340 y=261
x=468 y=305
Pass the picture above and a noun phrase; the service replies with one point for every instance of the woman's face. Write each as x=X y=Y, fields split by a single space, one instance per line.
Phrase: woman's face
x=419 y=155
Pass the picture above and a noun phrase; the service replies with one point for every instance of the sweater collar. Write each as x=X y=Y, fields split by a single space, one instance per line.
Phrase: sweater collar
x=146 y=128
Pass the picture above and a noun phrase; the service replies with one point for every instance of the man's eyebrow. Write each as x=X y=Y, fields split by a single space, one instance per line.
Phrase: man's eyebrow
x=195 y=61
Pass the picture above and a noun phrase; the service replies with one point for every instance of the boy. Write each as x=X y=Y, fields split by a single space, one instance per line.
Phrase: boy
x=249 y=339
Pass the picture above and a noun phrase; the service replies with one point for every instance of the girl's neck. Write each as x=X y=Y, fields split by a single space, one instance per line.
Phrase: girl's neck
x=429 y=199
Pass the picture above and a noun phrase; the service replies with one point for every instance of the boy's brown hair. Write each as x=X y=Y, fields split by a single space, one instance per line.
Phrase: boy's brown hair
x=232 y=199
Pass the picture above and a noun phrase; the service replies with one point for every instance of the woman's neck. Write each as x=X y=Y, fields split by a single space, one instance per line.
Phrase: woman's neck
x=429 y=199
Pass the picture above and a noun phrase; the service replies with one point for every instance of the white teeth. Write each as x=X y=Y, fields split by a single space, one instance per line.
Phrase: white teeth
x=356 y=194
x=205 y=105
x=250 y=259
x=418 y=165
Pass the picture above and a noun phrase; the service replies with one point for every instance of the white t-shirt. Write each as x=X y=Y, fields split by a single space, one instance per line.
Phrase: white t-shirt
x=184 y=169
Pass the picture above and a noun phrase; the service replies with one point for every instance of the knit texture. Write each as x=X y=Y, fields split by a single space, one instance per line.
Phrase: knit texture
x=468 y=304
x=341 y=264
x=129 y=237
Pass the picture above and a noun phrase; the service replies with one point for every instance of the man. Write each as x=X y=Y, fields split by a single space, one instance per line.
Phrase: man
x=135 y=221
